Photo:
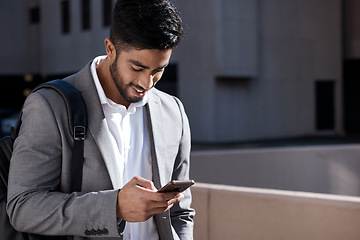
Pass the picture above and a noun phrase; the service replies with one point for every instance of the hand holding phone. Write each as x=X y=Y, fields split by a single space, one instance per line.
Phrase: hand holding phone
x=176 y=186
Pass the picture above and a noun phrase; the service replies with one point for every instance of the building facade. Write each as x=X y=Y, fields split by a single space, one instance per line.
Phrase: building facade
x=246 y=69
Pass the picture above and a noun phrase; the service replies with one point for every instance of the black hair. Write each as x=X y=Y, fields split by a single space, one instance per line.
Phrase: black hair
x=145 y=24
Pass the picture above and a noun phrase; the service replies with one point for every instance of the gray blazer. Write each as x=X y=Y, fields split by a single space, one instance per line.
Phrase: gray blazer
x=39 y=170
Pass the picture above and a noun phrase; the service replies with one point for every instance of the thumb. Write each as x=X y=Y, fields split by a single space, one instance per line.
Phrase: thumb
x=142 y=182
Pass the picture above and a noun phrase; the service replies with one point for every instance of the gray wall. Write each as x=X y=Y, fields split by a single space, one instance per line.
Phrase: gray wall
x=352 y=37
x=69 y=52
x=282 y=46
x=13 y=42
x=43 y=48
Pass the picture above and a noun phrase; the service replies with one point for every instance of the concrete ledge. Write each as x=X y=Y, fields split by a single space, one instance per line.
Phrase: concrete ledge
x=227 y=212
x=331 y=169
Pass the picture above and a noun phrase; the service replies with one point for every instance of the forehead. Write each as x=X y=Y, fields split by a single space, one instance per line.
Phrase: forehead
x=152 y=58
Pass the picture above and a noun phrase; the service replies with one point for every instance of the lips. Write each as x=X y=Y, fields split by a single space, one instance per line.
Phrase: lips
x=138 y=92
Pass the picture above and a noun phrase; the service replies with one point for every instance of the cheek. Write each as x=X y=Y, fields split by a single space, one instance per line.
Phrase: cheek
x=127 y=76
x=157 y=77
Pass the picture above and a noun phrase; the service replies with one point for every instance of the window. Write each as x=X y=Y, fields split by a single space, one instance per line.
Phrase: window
x=351 y=90
x=34 y=15
x=107 y=11
x=85 y=14
x=325 y=105
x=65 y=16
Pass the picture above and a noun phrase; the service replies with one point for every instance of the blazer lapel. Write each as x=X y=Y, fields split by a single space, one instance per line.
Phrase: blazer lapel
x=161 y=168
x=157 y=141
x=97 y=122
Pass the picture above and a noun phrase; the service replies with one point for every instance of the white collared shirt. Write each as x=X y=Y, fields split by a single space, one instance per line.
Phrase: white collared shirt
x=130 y=139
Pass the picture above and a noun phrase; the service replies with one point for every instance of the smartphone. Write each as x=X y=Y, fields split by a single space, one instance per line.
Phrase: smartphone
x=176 y=186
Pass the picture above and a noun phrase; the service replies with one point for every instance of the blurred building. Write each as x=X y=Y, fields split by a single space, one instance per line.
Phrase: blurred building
x=246 y=69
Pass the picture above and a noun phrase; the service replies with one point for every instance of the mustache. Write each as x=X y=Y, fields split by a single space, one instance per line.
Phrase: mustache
x=137 y=87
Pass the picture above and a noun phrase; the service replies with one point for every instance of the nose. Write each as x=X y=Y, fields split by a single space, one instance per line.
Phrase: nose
x=147 y=82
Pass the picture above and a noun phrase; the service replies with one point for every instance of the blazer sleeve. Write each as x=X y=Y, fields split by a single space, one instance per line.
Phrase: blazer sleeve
x=35 y=201
x=181 y=213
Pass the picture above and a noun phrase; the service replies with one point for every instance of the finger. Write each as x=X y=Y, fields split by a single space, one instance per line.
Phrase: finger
x=168 y=207
x=162 y=206
x=180 y=196
x=163 y=197
x=165 y=204
x=177 y=198
x=160 y=209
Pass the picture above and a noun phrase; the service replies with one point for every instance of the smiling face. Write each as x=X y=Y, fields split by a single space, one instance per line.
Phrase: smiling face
x=134 y=72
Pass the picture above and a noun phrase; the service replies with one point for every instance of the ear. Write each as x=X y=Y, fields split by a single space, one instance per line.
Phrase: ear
x=110 y=49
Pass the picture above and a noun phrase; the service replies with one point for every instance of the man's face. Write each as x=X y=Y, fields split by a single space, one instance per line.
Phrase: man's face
x=134 y=72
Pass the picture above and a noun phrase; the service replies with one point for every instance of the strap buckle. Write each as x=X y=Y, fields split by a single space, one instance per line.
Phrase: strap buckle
x=79 y=133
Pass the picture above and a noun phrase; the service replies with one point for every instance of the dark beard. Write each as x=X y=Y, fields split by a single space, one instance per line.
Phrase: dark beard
x=122 y=88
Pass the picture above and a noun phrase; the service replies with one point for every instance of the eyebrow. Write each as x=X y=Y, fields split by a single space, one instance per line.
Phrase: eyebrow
x=139 y=64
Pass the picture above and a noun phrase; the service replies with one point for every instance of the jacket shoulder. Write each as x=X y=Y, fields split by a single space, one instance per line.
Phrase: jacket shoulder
x=166 y=98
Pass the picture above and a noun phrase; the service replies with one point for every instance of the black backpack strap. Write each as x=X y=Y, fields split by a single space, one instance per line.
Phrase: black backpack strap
x=77 y=117
x=77 y=113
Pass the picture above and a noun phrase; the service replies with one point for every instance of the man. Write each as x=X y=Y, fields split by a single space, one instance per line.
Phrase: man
x=138 y=140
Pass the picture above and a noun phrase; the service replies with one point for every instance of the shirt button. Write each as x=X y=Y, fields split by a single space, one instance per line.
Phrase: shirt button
x=93 y=232
x=105 y=231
